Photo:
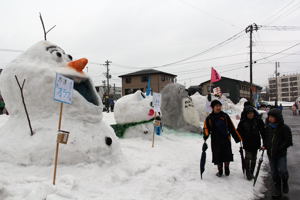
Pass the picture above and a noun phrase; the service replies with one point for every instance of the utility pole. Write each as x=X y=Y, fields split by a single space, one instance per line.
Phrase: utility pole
x=250 y=29
x=108 y=76
x=277 y=65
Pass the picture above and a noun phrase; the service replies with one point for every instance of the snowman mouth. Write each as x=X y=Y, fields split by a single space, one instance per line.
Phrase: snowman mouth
x=85 y=88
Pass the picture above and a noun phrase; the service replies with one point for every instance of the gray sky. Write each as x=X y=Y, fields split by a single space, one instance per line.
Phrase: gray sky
x=137 y=34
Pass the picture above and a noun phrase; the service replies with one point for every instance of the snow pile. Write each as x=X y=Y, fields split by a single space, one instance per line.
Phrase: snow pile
x=135 y=108
x=202 y=105
x=38 y=65
x=178 y=111
x=168 y=171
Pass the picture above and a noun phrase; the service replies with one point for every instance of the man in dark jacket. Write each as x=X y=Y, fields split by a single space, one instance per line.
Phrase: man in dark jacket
x=251 y=128
x=219 y=125
x=277 y=139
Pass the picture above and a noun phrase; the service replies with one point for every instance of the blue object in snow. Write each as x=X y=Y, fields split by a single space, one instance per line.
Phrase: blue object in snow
x=148 y=89
x=157 y=130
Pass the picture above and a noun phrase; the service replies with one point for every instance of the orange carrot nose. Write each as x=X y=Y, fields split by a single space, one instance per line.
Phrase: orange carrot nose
x=79 y=64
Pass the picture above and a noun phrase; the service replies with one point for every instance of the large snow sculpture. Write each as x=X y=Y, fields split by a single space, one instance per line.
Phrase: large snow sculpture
x=178 y=111
x=89 y=135
x=134 y=114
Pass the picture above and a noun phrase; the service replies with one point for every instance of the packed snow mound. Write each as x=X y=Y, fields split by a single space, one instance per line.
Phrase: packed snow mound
x=202 y=105
x=177 y=107
x=83 y=118
x=135 y=111
x=199 y=104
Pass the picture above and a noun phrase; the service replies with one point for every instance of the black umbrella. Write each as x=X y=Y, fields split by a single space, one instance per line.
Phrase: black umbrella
x=203 y=158
x=242 y=158
x=261 y=159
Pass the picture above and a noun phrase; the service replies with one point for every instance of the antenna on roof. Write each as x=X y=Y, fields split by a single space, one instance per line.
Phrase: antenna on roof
x=44 y=29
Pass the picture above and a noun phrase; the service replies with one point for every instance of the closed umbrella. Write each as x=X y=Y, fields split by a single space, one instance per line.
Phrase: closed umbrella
x=261 y=159
x=242 y=158
x=203 y=158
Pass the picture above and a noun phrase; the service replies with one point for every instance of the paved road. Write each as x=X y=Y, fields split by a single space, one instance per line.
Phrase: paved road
x=293 y=160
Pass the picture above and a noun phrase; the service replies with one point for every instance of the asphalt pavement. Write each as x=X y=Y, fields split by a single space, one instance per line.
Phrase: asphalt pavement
x=293 y=160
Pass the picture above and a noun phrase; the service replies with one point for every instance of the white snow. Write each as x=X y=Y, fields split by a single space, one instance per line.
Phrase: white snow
x=168 y=171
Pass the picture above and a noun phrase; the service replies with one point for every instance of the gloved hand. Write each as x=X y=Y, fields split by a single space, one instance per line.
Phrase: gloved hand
x=205 y=137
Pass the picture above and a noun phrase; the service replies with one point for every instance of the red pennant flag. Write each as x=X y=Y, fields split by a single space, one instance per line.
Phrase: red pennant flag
x=215 y=76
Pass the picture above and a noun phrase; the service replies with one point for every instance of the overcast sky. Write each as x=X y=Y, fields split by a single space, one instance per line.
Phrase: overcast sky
x=140 y=34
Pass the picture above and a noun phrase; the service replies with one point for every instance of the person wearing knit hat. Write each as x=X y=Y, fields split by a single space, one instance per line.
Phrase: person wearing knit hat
x=219 y=125
x=214 y=103
x=277 y=139
x=251 y=127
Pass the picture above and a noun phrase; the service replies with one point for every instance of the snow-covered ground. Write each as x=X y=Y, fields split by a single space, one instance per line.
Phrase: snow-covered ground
x=169 y=171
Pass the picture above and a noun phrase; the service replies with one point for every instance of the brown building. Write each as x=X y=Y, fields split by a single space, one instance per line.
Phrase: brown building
x=232 y=88
x=138 y=80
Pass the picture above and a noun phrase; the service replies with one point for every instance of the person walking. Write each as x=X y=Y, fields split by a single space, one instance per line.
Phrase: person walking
x=219 y=125
x=277 y=139
x=251 y=129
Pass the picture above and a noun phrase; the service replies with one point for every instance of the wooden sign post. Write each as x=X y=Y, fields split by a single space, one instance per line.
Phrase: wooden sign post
x=63 y=93
x=156 y=102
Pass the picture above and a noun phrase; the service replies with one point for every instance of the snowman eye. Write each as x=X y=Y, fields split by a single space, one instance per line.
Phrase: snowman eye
x=58 y=54
x=70 y=57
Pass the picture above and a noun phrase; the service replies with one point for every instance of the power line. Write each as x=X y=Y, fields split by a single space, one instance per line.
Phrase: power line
x=232 y=38
x=279 y=52
x=207 y=13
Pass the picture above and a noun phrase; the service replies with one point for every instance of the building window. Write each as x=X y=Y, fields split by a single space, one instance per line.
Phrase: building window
x=294 y=89
x=128 y=80
x=284 y=89
x=285 y=94
x=163 y=78
x=284 y=85
x=284 y=80
x=272 y=82
x=144 y=78
x=293 y=78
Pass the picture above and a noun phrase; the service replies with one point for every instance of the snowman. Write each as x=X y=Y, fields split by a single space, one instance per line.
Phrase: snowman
x=134 y=115
x=90 y=140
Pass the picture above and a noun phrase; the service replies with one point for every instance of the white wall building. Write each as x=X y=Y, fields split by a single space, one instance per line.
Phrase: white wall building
x=288 y=87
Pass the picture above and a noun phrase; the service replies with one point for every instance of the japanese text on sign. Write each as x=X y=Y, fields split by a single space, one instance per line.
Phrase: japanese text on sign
x=156 y=101
x=63 y=90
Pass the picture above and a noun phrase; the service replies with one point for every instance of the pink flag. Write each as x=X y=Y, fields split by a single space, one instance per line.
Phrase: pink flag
x=215 y=76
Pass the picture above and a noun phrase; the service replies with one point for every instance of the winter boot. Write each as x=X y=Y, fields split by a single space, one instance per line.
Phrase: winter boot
x=276 y=190
x=227 y=170
x=220 y=170
x=248 y=170
x=285 y=186
x=252 y=167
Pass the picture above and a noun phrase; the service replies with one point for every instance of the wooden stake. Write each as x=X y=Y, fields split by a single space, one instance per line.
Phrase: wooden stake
x=153 y=131
x=57 y=143
x=55 y=164
x=60 y=115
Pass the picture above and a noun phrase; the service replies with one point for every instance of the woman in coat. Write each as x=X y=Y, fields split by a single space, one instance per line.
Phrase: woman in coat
x=219 y=125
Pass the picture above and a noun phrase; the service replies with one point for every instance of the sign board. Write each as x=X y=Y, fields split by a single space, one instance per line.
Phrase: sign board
x=156 y=102
x=63 y=90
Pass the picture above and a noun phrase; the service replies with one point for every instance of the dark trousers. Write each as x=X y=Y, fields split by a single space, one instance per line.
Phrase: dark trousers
x=279 y=169
x=250 y=162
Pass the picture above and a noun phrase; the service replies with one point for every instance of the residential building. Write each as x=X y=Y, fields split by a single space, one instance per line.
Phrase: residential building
x=232 y=88
x=288 y=87
x=139 y=80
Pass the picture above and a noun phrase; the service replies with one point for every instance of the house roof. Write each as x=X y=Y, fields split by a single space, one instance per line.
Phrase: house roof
x=147 y=72
x=231 y=79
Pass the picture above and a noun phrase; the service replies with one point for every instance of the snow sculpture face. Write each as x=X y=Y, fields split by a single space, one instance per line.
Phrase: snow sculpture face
x=135 y=108
x=83 y=118
x=178 y=110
